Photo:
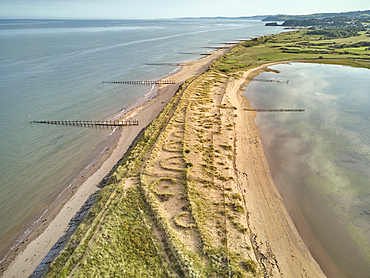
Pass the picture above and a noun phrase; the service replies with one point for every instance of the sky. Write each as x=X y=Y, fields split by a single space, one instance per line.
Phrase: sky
x=151 y=9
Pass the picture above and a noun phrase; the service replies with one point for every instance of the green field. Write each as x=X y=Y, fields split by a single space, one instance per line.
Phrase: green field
x=296 y=45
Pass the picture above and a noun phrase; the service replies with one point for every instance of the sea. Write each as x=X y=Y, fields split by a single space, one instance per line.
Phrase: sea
x=320 y=158
x=54 y=70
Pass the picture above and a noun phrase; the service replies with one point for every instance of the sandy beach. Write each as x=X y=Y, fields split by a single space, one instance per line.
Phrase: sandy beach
x=273 y=230
x=22 y=261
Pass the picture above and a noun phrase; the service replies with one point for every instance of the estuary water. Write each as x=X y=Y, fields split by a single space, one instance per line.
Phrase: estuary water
x=52 y=70
x=320 y=159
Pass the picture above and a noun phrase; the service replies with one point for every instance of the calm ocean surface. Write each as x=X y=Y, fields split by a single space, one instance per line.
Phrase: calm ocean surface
x=320 y=159
x=52 y=70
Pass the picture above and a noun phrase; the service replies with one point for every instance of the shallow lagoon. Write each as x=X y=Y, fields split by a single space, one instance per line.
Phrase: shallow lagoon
x=320 y=159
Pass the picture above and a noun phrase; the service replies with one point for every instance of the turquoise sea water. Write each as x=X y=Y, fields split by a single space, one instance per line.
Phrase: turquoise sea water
x=52 y=70
x=320 y=159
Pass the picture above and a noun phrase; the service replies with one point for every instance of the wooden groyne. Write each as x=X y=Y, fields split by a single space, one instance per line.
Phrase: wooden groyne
x=275 y=110
x=227 y=43
x=195 y=53
x=165 y=64
x=170 y=64
x=271 y=80
x=91 y=123
x=243 y=40
x=142 y=82
x=216 y=47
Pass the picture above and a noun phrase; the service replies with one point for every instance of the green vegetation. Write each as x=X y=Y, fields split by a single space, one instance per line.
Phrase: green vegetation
x=303 y=45
x=237 y=196
x=125 y=245
x=231 y=61
x=250 y=265
x=332 y=22
x=354 y=14
x=338 y=32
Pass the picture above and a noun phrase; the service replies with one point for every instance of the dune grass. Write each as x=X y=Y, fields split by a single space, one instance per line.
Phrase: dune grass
x=125 y=246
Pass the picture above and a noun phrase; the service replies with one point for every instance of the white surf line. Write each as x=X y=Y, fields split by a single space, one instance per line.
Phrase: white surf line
x=179 y=67
x=111 y=133
x=88 y=166
x=120 y=114
x=104 y=150
x=151 y=90
x=61 y=193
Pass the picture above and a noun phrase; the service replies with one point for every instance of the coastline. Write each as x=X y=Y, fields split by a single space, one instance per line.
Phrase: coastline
x=273 y=231
x=29 y=253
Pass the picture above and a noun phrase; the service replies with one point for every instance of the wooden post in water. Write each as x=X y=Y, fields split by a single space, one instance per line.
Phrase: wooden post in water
x=106 y=123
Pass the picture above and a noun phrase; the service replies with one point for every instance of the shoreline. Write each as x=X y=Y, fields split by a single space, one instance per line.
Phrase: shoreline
x=273 y=231
x=33 y=248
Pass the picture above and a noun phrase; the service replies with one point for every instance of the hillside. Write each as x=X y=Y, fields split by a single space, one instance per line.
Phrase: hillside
x=284 y=17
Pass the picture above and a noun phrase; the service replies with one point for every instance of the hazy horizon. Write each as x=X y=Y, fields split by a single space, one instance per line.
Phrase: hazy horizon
x=165 y=9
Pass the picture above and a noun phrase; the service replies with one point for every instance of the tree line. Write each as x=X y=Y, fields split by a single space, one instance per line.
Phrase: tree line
x=332 y=22
x=346 y=32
